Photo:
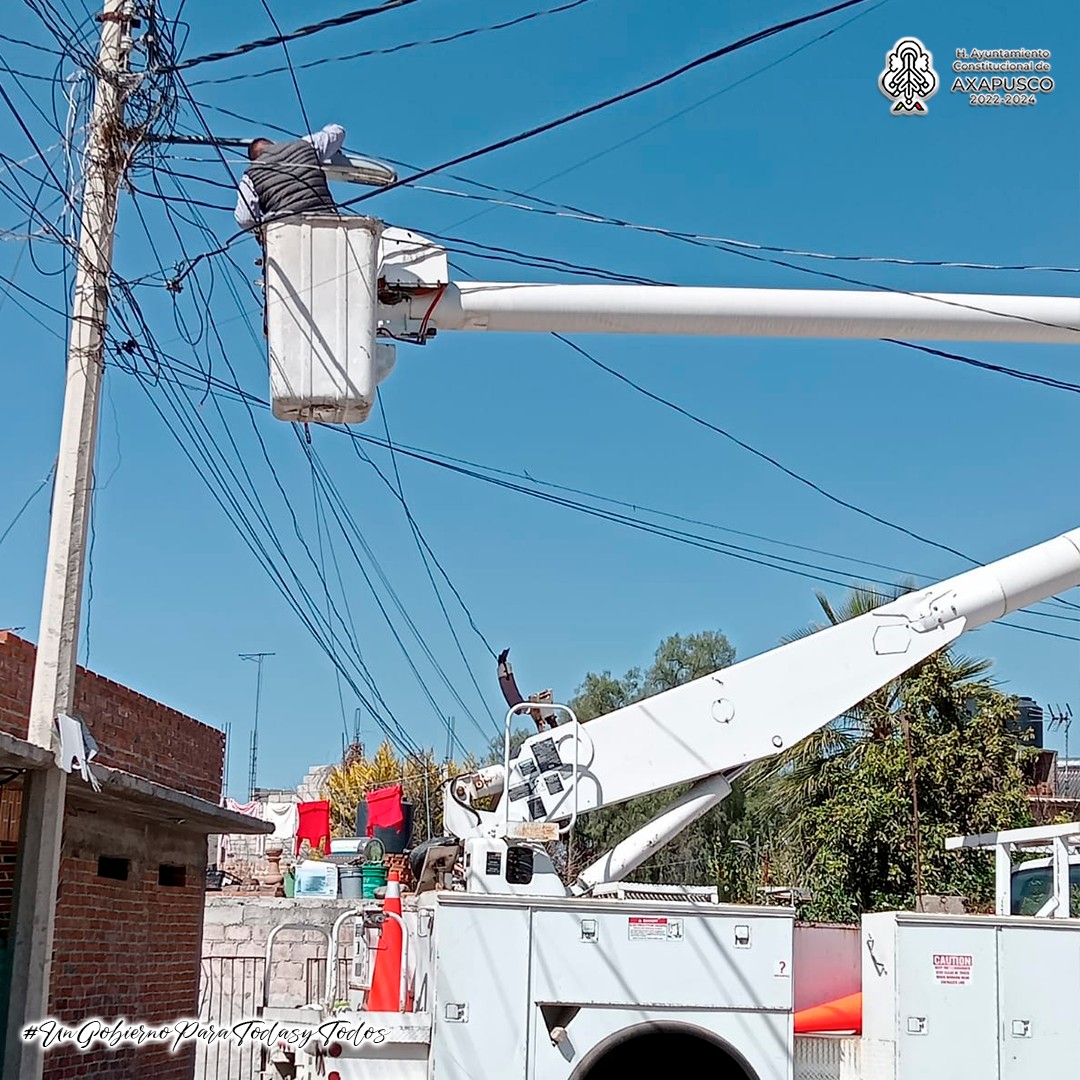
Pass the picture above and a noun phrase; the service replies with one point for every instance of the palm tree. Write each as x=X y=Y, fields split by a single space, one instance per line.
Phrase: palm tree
x=786 y=786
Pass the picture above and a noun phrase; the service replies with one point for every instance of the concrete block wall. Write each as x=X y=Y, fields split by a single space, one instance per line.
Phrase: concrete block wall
x=238 y=927
x=135 y=733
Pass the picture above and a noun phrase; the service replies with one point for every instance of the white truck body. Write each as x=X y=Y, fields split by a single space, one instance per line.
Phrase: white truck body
x=544 y=988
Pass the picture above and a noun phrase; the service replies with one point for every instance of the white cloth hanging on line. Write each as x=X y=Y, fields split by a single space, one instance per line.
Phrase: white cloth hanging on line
x=240 y=845
x=286 y=819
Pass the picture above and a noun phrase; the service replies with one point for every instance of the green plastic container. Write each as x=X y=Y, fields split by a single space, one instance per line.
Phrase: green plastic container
x=374 y=878
x=290 y=882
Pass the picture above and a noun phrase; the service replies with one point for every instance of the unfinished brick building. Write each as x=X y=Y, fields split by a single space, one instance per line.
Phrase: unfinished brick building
x=129 y=908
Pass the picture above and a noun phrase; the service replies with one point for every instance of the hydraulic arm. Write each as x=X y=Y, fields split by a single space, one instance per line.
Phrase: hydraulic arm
x=340 y=290
x=724 y=721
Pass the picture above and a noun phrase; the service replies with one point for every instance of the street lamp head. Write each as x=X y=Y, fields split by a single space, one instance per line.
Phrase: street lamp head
x=352 y=169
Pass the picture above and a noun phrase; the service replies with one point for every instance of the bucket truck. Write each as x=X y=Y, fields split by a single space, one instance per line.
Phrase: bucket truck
x=510 y=972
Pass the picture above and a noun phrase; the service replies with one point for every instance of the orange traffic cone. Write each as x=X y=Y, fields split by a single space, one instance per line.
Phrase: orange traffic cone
x=385 y=992
x=841 y=1014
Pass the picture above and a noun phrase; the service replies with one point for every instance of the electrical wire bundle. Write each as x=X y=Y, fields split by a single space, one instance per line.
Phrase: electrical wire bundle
x=320 y=560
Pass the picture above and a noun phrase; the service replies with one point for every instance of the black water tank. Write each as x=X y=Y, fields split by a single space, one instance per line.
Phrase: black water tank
x=395 y=841
x=1029 y=718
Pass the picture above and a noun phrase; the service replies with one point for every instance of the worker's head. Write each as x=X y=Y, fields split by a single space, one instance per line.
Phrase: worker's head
x=257 y=147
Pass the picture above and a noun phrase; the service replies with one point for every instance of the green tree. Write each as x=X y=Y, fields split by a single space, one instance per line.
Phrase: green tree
x=421 y=779
x=690 y=857
x=841 y=802
x=796 y=777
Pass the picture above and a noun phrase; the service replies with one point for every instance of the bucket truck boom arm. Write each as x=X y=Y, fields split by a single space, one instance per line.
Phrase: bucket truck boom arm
x=724 y=721
x=338 y=289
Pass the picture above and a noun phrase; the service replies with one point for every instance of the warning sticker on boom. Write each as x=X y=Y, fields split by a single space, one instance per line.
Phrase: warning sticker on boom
x=642 y=928
x=953 y=969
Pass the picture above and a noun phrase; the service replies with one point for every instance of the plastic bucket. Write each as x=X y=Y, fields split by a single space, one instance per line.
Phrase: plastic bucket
x=351 y=882
x=374 y=877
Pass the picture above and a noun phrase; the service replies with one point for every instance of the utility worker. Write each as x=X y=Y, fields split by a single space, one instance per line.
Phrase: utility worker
x=287 y=178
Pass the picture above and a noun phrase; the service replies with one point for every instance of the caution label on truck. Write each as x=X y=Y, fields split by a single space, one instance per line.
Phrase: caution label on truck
x=644 y=928
x=953 y=969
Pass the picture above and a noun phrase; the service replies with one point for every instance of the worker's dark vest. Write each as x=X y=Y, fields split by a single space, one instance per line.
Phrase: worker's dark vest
x=288 y=179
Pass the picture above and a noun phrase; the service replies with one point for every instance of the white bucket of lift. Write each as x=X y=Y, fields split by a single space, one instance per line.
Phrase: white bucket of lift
x=321 y=277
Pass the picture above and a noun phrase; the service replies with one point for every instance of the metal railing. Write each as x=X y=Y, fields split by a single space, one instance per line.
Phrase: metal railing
x=230 y=990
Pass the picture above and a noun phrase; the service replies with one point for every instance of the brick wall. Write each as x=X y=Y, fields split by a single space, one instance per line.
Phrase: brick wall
x=126 y=949
x=135 y=733
x=8 y=857
x=10 y=813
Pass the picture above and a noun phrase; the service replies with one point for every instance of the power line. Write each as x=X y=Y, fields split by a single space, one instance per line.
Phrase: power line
x=985 y=365
x=336 y=503
x=799 y=477
x=281 y=39
x=800 y=568
x=625 y=95
x=388 y=50
x=31 y=45
x=421 y=544
x=570 y=212
x=551 y=209
x=320 y=525
x=288 y=62
x=29 y=499
x=566 y=170
x=423 y=541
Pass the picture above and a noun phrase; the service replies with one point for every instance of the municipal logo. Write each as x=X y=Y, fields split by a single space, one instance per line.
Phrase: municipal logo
x=909 y=78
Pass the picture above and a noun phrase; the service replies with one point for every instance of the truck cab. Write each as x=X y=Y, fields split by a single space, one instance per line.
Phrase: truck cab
x=1033 y=884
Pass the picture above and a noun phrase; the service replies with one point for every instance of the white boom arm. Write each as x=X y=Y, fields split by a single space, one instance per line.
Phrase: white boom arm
x=679 y=310
x=338 y=288
x=756 y=708
x=341 y=291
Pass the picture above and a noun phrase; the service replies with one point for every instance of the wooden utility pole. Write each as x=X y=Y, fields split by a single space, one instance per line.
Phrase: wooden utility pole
x=53 y=694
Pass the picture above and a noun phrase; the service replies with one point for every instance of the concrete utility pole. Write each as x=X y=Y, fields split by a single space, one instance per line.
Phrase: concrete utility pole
x=53 y=695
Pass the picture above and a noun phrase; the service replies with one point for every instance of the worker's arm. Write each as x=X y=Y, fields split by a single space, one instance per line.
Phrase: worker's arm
x=247 y=205
x=328 y=141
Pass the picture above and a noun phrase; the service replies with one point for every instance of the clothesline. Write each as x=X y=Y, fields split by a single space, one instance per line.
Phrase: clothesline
x=439 y=771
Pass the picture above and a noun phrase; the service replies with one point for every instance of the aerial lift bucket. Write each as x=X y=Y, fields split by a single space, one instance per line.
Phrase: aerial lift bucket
x=321 y=280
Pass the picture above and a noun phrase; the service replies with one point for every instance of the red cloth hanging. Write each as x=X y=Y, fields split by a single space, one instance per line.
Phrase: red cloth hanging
x=314 y=826
x=384 y=809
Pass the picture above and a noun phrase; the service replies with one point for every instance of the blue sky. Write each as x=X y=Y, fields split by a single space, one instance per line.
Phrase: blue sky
x=802 y=155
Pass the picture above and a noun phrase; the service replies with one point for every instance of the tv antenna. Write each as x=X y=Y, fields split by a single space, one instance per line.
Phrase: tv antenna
x=258 y=657
x=1061 y=718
